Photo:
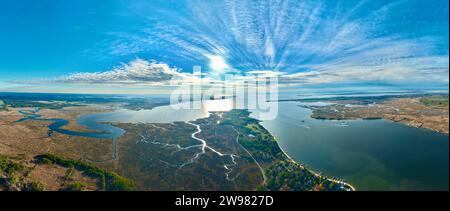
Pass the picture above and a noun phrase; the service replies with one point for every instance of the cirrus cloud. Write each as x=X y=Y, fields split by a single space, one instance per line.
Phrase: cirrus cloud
x=152 y=73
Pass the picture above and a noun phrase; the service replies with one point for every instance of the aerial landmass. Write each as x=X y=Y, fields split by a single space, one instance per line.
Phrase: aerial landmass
x=226 y=151
x=430 y=112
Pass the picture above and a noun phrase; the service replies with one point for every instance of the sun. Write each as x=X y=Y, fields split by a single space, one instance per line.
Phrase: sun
x=217 y=63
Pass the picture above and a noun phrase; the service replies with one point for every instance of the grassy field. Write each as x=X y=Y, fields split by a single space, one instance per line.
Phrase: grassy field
x=435 y=101
x=2 y=105
x=52 y=172
x=110 y=181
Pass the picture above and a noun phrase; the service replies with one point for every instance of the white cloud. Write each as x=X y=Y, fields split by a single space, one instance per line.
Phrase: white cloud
x=138 y=71
x=389 y=75
x=330 y=41
x=141 y=72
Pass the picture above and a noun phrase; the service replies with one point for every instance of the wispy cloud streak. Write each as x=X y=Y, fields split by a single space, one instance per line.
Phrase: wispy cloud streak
x=308 y=41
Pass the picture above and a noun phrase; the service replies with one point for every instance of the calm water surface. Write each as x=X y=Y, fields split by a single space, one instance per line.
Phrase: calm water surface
x=370 y=154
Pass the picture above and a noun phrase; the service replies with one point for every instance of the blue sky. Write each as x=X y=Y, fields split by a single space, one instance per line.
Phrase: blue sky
x=51 y=45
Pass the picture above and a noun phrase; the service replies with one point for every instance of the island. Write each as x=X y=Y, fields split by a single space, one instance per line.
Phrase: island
x=427 y=111
x=50 y=172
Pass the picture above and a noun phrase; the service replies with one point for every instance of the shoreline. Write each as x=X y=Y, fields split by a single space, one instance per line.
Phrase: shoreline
x=290 y=159
x=384 y=119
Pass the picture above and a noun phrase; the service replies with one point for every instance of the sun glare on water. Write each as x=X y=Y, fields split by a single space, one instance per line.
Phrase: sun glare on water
x=218 y=105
